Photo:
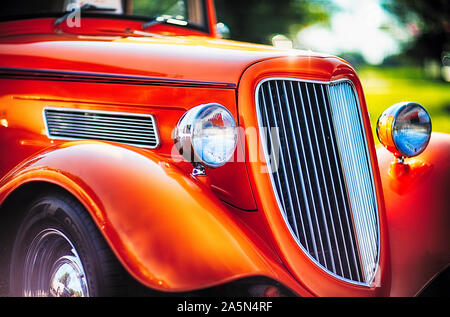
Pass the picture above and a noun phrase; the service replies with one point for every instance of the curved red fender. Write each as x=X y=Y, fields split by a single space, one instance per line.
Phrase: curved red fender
x=168 y=230
x=417 y=197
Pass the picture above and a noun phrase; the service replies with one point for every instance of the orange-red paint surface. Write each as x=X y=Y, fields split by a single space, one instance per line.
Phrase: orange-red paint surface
x=170 y=230
x=167 y=228
x=418 y=214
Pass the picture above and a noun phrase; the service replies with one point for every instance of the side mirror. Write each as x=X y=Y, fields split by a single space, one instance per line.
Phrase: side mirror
x=223 y=30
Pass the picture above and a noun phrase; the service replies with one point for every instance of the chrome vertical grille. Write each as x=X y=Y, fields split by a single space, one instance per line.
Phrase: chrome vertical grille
x=355 y=159
x=321 y=176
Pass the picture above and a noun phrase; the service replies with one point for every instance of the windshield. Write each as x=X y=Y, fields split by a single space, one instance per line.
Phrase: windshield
x=180 y=12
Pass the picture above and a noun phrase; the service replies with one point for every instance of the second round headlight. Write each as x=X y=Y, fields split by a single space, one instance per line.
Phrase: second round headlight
x=207 y=134
x=404 y=129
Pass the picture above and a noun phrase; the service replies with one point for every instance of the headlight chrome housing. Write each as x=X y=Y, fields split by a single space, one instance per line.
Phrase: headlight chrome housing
x=206 y=134
x=404 y=129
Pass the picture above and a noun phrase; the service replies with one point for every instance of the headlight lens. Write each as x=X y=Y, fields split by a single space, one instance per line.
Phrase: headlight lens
x=207 y=134
x=405 y=129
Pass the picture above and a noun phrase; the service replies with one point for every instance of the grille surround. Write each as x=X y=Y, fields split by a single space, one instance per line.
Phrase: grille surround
x=364 y=281
x=136 y=129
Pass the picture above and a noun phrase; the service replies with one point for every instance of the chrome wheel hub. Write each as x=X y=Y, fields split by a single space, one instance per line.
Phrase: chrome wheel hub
x=53 y=267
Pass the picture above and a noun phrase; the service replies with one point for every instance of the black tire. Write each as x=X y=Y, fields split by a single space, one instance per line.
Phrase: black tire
x=54 y=225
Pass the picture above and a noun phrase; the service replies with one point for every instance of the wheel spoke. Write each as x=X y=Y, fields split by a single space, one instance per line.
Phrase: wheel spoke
x=53 y=267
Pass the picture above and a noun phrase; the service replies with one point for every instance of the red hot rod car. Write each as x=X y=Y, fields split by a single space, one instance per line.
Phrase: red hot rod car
x=140 y=151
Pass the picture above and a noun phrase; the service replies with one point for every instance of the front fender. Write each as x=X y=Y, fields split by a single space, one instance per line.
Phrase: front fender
x=417 y=198
x=167 y=229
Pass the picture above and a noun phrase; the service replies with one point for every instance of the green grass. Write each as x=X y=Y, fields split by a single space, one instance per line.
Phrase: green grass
x=384 y=87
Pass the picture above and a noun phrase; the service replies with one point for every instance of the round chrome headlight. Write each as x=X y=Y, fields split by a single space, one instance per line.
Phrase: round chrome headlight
x=207 y=134
x=404 y=129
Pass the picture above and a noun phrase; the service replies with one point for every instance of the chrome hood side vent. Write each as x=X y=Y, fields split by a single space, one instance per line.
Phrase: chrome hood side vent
x=79 y=124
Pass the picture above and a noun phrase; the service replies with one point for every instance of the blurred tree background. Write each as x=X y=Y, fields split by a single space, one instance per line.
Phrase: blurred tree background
x=258 y=21
x=429 y=22
x=415 y=66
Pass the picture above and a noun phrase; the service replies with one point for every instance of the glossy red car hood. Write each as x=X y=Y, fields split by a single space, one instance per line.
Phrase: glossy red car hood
x=171 y=57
